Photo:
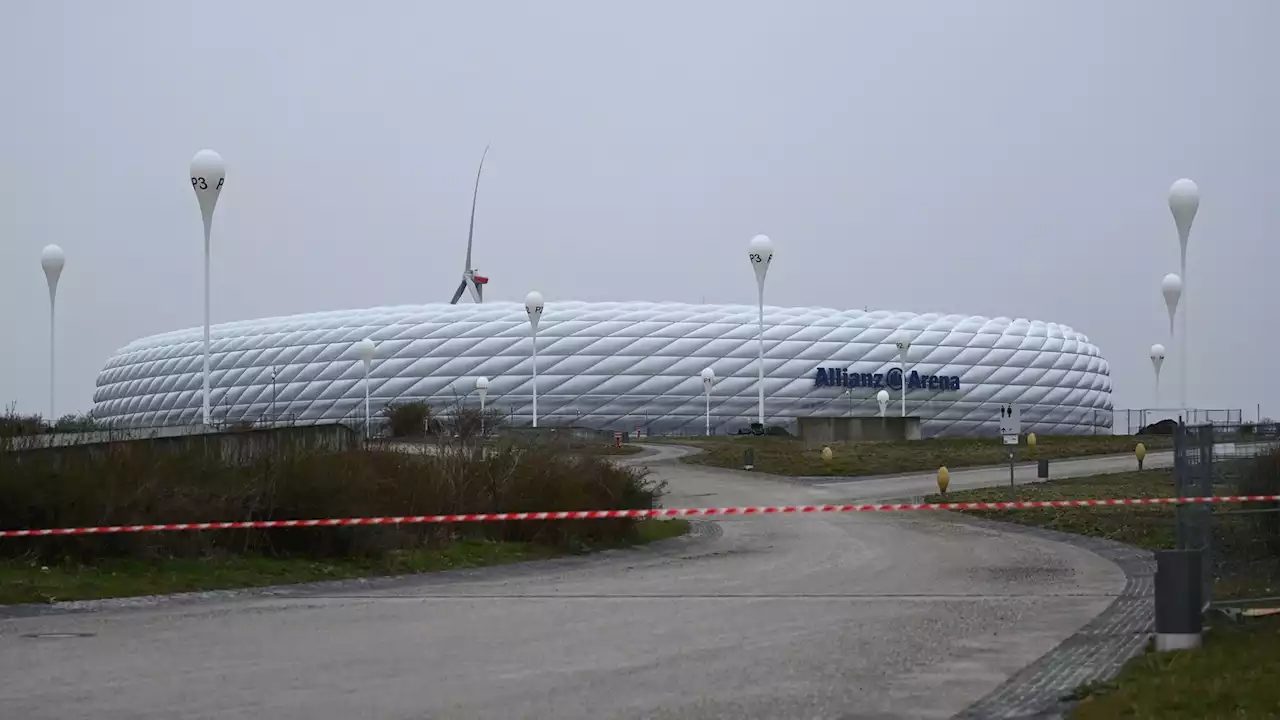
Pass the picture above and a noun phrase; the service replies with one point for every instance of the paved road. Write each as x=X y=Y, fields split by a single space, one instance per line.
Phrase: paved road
x=774 y=617
x=917 y=484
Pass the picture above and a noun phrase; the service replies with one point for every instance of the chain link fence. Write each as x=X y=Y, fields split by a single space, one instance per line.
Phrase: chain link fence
x=1239 y=543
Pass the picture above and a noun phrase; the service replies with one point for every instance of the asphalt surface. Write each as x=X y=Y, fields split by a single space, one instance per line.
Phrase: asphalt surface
x=868 y=615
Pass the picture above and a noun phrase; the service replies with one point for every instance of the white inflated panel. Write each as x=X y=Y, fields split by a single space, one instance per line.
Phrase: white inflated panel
x=619 y=365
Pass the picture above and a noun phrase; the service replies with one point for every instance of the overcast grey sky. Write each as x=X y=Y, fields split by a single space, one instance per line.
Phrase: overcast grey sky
x=996 y=158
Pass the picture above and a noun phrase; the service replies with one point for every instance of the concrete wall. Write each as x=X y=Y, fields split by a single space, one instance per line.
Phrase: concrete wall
x=234 y=446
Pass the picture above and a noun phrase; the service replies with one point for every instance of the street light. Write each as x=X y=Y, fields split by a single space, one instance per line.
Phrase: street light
x=903 y=341
x=533 y=307
x=708 y=382
x=1171 y=288
x=760 y=252
x=1184 y=201
x=208 y=174
x=882 y=397
x=52 y=260
x=275 y=371
x=366 y=349
x=482 y=387
x=1157 y=362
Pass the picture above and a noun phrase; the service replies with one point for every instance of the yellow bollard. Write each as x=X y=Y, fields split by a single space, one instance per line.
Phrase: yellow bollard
x=826 y=454
x=1031 y=440
x=944 y=479
x=1141 y=452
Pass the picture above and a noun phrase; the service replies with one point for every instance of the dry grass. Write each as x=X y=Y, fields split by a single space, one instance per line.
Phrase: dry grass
x=28 y=582
x=796 y=458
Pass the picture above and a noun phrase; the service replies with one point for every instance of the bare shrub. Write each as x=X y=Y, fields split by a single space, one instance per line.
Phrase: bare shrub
x=297 y=474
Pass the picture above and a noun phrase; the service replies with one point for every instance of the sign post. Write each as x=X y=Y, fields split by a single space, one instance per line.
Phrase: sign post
x=1010 y=429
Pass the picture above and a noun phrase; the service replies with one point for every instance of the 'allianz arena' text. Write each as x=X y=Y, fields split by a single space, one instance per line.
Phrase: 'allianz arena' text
x=620 y=365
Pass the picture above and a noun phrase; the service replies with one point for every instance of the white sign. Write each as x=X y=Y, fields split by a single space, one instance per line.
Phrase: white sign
x=1010 y=439
x=1010 y=420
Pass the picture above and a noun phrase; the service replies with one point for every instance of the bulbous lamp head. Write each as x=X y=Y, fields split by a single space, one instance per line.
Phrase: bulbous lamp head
x=902 y=340
x=533 y=307
x=760 y=252
x=708 y=379
x=1184 y=201
x=366 y=349
x=208 y=175
x=482 y=386
x=1157 y=357
x=1171 y=288
x=52 y=260
x=882 y=397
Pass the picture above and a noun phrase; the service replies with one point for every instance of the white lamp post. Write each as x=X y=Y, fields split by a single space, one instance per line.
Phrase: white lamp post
x=366 y=349
x=1157 y=362
x=708 y=382
x=903 y=342
x=760 y=252
x=1184 y=201
x=208 y=174
x=533 y=307
x=882 y=397
x=482 y=387
x=1171 y=288
x=52 y=260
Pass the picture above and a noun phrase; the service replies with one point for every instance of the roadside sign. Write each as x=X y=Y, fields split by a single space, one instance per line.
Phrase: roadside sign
x=1010 y=439
x=1010 y=421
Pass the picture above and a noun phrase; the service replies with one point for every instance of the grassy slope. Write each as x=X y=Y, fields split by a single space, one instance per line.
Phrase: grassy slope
x=23 y=582
x=1148 y=526
x=1232 y=676
x=793 y=457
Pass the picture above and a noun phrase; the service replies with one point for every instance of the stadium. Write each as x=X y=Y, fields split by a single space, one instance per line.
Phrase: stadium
x=620 y=365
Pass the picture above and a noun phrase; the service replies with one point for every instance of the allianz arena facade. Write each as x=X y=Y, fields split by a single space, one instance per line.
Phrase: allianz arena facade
x=619 y=365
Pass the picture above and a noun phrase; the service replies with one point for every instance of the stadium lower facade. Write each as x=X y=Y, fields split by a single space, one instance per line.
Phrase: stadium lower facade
x=619 y=365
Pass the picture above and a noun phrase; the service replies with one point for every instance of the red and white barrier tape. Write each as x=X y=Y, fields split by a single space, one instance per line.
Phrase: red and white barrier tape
x=660 y=513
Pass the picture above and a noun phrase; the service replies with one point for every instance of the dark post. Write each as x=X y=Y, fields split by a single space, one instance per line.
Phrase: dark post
x=1178 y=599
x=1013 y=490
x=1042 y=469
x=748 y=459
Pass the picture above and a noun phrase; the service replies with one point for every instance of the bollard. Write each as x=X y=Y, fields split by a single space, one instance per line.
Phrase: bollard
x=1042 y=468
x=1141 y=453
x=749 y=459
x=617 y=439
x=1031 y=440
x=826 y=454
x=944 y=479
x=1178 y=600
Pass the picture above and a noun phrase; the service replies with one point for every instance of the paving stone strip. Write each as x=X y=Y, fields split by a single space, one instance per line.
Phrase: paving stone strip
x=1096 y=653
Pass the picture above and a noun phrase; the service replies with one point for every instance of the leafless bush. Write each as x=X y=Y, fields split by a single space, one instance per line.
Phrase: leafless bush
x=287 y=476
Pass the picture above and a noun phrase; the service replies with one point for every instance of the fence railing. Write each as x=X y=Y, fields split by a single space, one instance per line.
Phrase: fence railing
x=1240 y=545
x=1133 y=421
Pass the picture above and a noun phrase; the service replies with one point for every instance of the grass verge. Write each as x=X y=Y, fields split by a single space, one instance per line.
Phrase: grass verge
x=1232 y=676
x=24 y=581
x=1148 y=526
x=797 y=458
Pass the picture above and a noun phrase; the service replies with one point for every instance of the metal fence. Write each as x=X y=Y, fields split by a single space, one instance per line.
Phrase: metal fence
x=1130 y=422
x=1240 y=544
